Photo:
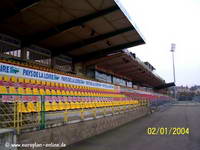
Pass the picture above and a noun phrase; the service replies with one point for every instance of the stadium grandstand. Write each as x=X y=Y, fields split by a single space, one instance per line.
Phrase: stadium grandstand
x=61 y=60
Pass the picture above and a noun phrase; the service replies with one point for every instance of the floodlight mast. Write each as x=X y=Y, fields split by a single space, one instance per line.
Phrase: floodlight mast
x=173 y=46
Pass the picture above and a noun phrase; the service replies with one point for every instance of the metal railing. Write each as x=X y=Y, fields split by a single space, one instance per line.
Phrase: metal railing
x=27 y=116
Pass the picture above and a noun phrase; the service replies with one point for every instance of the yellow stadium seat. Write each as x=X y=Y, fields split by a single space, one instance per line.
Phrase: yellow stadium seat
x=35 y=91
x=13 y=91
x=61 y=105
x=58 y=92
x=55 y=105
x=26 y=80
x=29 y=91
x=64 y=85
x=63 y=93
x=71 y=93
x=92 y=94
x=3 y=90
x=38 y=82
x=38 y=106
x=48 y=83
x=75 y=93
x=21 y=90
x=67 y=105
x=21 y=80
x=71 y=86
x=61 y=85
x=33 y=81
x=48 y=92
x=81 y=105
x=21 y=108
x=107 y=104
x=98 y=104
x=13 y=79
x=118 y=103
x=48 y=106
x=43 y=82
x=102 y=104
x=53 y=92
x=52 y=84
x=56 y=84
x=93 y=104
x=6 y=78
x=81 y=93
x=42 y=92
x=67 y=93
x=90 y=104
x=136 y=102
x=72 y=105
x=31 y=107
x=85 y=105
x=77 y=105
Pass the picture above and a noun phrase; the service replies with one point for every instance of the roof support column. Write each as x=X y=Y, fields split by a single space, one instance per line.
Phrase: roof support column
x=23 y=54
x=53 y=62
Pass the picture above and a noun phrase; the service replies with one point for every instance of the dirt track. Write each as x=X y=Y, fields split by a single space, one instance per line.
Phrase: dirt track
x=133 y=136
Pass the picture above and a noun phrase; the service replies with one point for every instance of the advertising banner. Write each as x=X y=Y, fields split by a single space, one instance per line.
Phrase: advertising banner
x=12 y=70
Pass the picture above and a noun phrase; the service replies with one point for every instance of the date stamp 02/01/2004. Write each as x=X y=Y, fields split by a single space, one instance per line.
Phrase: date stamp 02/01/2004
x=167 y=131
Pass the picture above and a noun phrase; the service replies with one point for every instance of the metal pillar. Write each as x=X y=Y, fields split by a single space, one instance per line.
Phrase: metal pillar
x=174 y=75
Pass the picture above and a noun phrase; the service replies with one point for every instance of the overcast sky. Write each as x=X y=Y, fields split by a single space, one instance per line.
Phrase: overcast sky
x=163 y=22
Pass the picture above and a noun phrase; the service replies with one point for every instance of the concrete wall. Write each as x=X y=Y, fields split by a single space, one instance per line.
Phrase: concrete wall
x=7 y=137
x=72 y=133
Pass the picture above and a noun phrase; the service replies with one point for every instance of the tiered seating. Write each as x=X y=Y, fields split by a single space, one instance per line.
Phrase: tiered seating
x=29 y=94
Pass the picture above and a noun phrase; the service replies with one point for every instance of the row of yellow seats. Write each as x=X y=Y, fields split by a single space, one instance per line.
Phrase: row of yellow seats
x=130 y=102
x=143 y=102
x=38 y=82
x=48 y=83
x=35 y=91
x=35 y=66
x=54 y=106
x=44 y=68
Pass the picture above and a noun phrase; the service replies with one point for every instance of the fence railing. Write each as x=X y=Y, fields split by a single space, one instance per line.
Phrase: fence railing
x=40 y=113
